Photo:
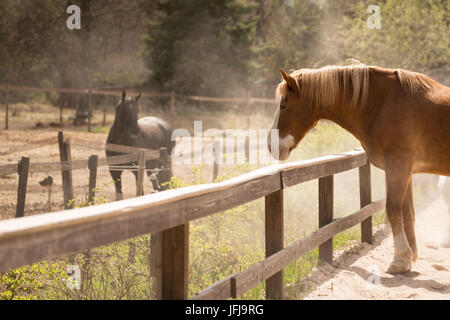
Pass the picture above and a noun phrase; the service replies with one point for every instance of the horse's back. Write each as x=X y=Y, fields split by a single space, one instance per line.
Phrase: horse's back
x=154 y=133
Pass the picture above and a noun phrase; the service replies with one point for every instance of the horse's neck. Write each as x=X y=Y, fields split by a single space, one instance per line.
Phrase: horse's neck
x=350 y=119
x=118 y=134
x=359 y=118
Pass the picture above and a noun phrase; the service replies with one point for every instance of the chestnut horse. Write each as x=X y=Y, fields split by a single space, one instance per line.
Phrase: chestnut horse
x=401 y=118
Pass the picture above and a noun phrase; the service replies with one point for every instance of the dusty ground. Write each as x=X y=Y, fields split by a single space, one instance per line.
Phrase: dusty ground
x=429 y=278
x=36 y=198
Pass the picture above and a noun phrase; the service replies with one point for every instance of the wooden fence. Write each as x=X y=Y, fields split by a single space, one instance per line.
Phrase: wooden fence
x=249 y=101
x=167 y=214
x=66 y=165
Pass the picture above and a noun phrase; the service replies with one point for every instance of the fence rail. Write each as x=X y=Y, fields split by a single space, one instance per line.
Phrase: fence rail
x=132 y=156
x=89 y=92
x=144 y=94
x=167 y=214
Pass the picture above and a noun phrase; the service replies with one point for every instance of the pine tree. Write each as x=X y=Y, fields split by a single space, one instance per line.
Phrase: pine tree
x=200 y=46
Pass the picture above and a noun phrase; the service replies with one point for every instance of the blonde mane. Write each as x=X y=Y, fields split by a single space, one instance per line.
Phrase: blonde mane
x=322 y=87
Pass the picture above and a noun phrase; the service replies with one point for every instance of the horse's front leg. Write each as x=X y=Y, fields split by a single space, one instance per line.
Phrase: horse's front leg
x=446 y=196
x=116 y=174
x=397 y=180
x=409 y=220
x=136 y=176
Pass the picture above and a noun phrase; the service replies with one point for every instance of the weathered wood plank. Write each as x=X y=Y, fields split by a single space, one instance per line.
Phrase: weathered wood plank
x=156 y=250
x=58 y=166
x=274 y=234
x=92 y=165
x=246 y=280
x=175 y=256
x=117 y=160
x=326 y=197
x=24 y=169
x=219 y=291
x=365 y=194
x=54 y=234
x=8 y=169
x=129 y=149
x=118 y=93
x=141 y=172
x=65 y=155
x=326 y=166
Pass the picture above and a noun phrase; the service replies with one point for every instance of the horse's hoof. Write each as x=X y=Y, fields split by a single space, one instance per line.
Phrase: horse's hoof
x=399 y=267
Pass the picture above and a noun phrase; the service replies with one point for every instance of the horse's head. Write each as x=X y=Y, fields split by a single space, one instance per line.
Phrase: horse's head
x=127 y=113
x=294 y=118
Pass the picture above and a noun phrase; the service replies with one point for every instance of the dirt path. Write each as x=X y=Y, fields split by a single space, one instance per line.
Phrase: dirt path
x=429 y=278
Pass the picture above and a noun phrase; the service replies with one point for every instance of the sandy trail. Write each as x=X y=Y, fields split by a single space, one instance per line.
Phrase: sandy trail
x=349 y=275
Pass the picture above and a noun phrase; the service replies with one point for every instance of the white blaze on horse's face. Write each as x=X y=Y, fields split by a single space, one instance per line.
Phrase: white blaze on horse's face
x=284 y=145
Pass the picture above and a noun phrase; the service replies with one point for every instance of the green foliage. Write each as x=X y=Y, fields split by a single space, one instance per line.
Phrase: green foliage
x=200 y=46
x=413 y=35
x=24 y=283
x=213 y=48
x=289 y=36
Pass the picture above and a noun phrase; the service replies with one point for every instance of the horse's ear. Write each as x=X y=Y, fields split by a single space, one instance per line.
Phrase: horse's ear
x=124 y=95
x=290 y=81
x=138 y=96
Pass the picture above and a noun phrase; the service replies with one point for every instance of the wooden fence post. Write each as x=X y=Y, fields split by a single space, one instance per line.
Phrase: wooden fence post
x=156 y=240
x=274 y=240
x=7 y=108
x=156 y=262
x=89 y=109
x=92 y=165
x=326 y=196
x=172 y=108
x=175 y=255
x=24 y=168
x=141 y=172
x=65 y=155
x=365 y=194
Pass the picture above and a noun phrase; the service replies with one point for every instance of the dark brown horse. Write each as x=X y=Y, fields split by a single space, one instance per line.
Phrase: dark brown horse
x=401 y=118
x=147 y=132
